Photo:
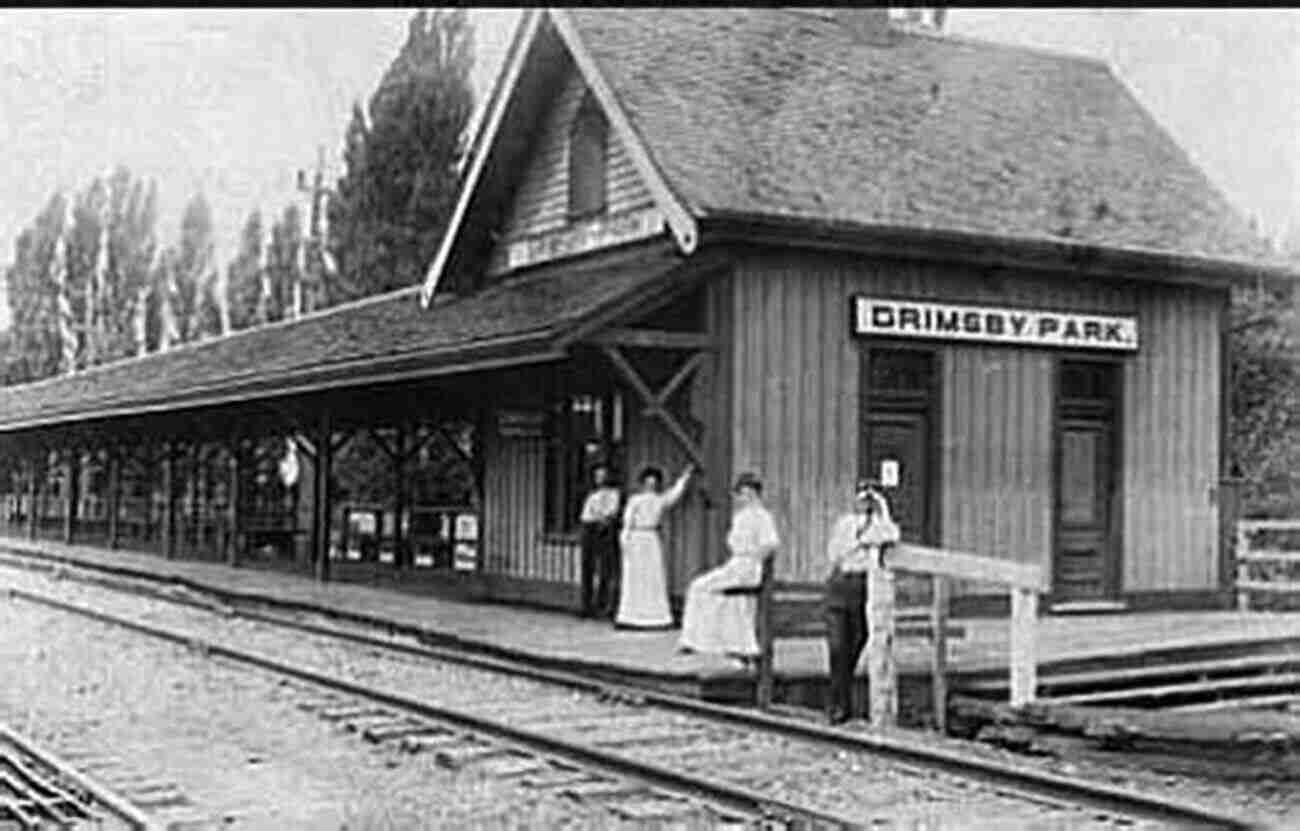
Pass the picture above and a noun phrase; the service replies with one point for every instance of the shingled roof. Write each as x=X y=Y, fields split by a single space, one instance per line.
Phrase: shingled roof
x=784 y=113
x=517 y=319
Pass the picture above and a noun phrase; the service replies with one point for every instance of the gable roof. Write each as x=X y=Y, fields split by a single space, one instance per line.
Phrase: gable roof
x=781 y=113
x=526 y=318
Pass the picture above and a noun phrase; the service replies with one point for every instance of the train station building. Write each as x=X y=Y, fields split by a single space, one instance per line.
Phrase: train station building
x=805 y=243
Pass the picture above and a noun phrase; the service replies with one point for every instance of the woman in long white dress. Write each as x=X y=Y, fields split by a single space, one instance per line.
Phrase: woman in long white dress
x=723 y=624
x=643 y=599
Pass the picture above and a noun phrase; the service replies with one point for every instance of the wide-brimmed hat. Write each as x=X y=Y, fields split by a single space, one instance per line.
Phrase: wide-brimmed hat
x=748 y=480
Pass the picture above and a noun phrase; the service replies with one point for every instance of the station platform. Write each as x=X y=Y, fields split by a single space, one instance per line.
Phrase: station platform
x=564 y=641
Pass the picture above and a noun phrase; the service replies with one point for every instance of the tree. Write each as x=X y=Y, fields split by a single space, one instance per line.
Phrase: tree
x=283 y=266
x=1265 y=428
x=34 y=350
x=244 y=277
x=133 y=213
x=393 y=202
x=193 y=274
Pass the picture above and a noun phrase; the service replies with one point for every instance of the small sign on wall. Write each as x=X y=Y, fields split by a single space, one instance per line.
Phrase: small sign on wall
x=521 y=424
x=585 y=237
x=889 y=473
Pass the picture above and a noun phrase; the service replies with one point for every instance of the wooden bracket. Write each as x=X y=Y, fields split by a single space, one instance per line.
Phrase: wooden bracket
x=654 y=403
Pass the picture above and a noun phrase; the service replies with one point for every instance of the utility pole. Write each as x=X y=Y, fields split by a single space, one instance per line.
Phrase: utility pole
x=307 y=300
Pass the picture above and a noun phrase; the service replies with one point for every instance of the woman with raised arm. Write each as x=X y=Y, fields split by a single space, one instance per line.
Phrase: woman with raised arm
x=643 y=599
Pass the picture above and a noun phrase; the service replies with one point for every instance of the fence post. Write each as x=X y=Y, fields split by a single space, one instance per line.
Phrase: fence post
x=882 y=679
x=1024 y=666
x=1239 y=552
x=939 y=656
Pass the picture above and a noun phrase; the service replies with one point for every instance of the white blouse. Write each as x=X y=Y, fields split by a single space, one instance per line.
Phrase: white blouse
x=645 y=510
x=752 y=531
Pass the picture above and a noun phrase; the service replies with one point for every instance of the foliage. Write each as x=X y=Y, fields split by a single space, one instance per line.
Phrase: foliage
x=1265 y=428
x=394 y=200
x=282 y=262
x=244 y=276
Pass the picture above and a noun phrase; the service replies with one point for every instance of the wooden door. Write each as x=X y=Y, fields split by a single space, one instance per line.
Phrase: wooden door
x=1086 y=562
x=900 y=440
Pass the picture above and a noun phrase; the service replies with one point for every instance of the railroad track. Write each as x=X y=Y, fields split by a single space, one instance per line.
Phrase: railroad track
x=39 y=791
x=657 y=752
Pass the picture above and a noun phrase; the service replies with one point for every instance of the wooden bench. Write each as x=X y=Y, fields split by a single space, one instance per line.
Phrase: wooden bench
x=797 y=610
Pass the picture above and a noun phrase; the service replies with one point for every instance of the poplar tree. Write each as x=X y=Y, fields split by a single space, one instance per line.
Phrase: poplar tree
x=244 y=276
x=392 y=204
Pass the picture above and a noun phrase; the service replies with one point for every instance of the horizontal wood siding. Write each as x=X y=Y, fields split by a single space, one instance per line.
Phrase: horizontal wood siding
x=1171 y=522
x=542 y=200
x=796 y=369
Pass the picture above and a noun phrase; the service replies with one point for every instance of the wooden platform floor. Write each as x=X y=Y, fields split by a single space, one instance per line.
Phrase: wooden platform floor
x=562 y=638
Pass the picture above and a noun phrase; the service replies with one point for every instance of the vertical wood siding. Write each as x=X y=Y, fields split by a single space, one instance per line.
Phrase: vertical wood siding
x=795 y=372
x=542 y=199
x=514 y=514
x=1171 y=443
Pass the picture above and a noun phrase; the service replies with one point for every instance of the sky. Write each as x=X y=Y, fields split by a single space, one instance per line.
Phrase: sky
x=234 y=102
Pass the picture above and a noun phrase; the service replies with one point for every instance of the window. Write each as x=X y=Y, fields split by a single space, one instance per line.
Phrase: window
x=581 y=431
x=587 y=158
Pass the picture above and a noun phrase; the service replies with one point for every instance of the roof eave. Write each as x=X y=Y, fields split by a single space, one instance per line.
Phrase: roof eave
x=990 y=249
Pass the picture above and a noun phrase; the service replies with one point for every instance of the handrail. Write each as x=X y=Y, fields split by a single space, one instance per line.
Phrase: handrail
x=1024 y=582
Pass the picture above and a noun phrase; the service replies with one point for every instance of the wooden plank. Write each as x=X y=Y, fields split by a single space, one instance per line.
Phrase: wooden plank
x=1250 y=525
x=939 y=652
x=1191 y=687
x=881 y=671
x=1243 y=573
x=1265 y=555
x=1253 y=702
x=1138 y=673
x=655 y=339
x=1270 y=586
x=1024 y=666
x=961 y=566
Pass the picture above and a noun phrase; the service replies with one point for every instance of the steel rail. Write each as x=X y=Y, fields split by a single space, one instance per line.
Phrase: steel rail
x=98 y=792
x=692 y=786
x=1013 y=778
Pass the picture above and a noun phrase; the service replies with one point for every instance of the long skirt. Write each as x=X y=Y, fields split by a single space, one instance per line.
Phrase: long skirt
x=643 y=599
x=720 y=623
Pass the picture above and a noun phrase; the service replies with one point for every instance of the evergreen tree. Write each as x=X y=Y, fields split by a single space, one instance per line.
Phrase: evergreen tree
x=283 y=265
x=193 y=273
x=133 y=212
x=393 y=202
x=244 y=276
x=34 y=347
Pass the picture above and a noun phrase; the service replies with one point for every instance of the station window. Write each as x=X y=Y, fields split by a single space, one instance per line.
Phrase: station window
x=583 y=430
x=588 y=151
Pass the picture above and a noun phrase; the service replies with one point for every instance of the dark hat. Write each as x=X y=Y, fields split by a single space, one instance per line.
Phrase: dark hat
x=651 y=471
x=748 y=480
x=867 y=484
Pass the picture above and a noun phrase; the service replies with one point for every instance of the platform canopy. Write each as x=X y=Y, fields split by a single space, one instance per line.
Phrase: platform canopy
x=528 y=318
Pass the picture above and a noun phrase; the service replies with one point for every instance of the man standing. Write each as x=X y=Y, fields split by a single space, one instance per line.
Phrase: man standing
x=599 y=519
x=854 y=549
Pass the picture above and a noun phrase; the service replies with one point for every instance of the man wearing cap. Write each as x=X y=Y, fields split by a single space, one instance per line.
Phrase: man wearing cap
x=855 y=547
x=714 y=621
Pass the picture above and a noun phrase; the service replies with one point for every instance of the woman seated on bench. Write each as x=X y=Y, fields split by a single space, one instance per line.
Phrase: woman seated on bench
x=714 y=621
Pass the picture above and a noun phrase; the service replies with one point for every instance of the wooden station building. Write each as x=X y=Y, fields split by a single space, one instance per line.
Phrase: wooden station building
x=806 y=243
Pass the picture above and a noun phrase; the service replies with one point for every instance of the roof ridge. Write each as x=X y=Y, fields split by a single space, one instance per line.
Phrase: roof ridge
x=317 y=314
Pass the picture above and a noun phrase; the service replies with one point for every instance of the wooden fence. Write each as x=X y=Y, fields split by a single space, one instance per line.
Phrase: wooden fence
x=1258 y=568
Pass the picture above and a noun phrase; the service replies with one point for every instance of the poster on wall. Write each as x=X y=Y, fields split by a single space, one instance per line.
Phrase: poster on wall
x=879 y=317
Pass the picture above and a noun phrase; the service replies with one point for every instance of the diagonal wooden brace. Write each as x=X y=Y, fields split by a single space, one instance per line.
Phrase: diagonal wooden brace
x=654 y=406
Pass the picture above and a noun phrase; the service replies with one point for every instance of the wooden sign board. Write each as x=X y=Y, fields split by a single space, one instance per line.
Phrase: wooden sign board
x=879 y=317
x=585 y=237
x=521 y=424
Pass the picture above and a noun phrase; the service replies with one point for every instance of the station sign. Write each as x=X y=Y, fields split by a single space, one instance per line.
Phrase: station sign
x=584 y=237
x=879 y=317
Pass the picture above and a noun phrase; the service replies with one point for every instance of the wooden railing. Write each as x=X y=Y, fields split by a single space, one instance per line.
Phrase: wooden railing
x=1023 y=582
x=1247 y=556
